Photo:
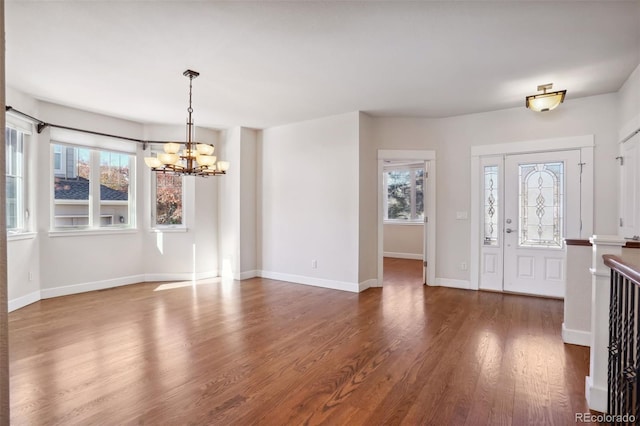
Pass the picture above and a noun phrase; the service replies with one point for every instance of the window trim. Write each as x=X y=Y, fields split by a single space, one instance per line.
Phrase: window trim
x=27 y=235
x=75 y=232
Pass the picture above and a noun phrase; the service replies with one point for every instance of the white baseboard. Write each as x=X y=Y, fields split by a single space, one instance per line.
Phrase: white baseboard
x=246 y=275
x=596 y=396
x=117 y=282
x=22 y=301
x=492 y=287
x=416 y=256
x=367 y=284
x=317 y=282
x=91 y=286
x=576 y=337
x=48 y=293
x=453 y=283
x=181 y=276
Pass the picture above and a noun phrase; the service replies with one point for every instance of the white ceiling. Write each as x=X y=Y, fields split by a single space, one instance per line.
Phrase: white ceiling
x=269 y=63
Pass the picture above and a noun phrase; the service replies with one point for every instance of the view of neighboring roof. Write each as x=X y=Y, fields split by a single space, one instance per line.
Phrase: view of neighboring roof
x=78 y=189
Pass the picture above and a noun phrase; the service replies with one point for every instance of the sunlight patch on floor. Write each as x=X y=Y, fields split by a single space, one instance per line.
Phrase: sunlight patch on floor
x=190 y=283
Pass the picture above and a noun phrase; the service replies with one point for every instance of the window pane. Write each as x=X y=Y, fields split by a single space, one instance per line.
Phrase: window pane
x=168 y=199
x=14 y=178
x=541 y=192
x=10 y=151
x=71 y=188
x=491 y=205
x=12 y=203
x=114 y=188
x=399 y=194
x=419 y=194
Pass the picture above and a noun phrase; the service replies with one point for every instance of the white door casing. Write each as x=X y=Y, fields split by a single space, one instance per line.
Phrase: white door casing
x=425 y=228
x=486 y=268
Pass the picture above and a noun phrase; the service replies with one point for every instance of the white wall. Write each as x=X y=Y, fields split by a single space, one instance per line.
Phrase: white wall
x=576 y=327
x=403 y=241
x=238 y=204
x=453 y=137
x=204 y=227
x=248 y=188
x=23 y=256
x=309 y=187
x=46 y=264
x=629 y=105
x=81 y=260
x=368 y=205
x=229 y=205
x=192 y=251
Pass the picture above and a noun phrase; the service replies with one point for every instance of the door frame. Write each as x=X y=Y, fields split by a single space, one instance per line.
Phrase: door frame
x=430 y=209
x=584 y=143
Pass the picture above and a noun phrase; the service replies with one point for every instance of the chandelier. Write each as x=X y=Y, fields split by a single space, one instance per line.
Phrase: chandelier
x=196 y=159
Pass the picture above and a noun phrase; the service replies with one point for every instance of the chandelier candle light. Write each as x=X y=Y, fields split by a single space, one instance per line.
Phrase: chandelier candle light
x=197 y=159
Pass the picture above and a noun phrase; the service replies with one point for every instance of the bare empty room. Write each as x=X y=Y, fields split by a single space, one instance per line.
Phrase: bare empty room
x=320 y=212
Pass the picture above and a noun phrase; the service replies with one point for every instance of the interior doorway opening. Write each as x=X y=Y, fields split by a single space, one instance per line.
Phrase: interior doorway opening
x=406 y=215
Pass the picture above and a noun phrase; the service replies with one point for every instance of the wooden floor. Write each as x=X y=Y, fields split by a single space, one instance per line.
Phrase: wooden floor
x=275 y=353
x=402 y=272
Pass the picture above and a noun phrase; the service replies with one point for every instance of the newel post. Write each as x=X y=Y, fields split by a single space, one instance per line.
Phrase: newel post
x=596 y=382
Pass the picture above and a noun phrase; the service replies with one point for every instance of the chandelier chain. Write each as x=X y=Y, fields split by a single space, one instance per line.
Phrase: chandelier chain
x=190 y=109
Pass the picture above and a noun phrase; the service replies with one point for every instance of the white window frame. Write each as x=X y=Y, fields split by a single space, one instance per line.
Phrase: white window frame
x=95 y=147
x=153 y=192
x=23 y=211
x=412 y=168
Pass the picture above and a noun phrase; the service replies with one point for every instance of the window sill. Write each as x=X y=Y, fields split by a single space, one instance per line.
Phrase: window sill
x=396 y=222
x=87 y=232
x=22 y=236
x=168 y=230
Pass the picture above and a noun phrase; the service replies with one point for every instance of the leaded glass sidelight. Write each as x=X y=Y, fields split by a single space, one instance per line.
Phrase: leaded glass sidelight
x=541 y=210
x=490 y=206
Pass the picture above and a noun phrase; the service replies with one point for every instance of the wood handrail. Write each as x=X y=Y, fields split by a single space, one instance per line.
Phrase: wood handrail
x=577 y=242
x=630 y=270
x=583 y=242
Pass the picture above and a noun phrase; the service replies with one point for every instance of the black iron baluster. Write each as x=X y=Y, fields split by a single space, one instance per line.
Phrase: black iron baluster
x=624 y=353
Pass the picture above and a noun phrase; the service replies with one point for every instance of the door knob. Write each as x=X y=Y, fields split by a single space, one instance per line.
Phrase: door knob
x=509 y=230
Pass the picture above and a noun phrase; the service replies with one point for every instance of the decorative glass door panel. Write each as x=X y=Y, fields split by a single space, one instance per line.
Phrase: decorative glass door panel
x=541 y=208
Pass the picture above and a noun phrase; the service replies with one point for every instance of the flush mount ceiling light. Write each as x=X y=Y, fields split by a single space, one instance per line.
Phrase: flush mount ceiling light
x=197 y=159
x=545 y=101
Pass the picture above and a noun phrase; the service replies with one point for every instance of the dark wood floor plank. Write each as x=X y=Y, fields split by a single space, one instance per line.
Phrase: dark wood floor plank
x=268 y=352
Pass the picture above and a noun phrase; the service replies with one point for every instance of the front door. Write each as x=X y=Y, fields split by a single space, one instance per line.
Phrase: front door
x=541 y=209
